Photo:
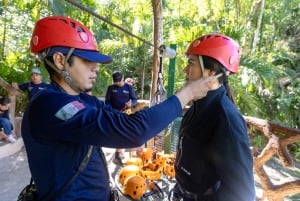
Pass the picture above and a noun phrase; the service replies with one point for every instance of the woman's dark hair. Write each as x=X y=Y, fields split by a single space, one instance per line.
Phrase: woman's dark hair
x=214 y=65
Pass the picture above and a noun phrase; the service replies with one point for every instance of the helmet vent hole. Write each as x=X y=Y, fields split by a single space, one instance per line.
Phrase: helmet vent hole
x=63 y=21
x=80 y=29
x=73 y=25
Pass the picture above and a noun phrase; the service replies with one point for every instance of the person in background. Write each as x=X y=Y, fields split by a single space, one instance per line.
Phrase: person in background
x=62 y=124
x=214 y=160
x=35 y=85
x=121 y=96
x=6 y=126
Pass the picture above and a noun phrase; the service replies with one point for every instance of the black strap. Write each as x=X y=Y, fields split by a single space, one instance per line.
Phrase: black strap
x=31 y=181
x=82 y=165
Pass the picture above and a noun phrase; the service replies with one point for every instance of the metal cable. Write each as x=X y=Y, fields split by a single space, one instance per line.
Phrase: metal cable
x=78 y=5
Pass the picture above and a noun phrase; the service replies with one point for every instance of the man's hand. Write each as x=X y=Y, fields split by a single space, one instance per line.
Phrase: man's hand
x=196 y=89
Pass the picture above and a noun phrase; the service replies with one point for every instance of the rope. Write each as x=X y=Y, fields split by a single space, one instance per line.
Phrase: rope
x=78 y=5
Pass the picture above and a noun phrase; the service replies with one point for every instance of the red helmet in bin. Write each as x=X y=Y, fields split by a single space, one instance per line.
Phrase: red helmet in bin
x=219 y=47
x=65 y=33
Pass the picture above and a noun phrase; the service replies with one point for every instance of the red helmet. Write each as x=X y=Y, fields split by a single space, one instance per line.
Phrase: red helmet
x=61 y=31
x=219 y=47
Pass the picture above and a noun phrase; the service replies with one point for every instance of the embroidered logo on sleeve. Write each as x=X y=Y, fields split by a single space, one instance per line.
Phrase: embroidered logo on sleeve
x=69 y=110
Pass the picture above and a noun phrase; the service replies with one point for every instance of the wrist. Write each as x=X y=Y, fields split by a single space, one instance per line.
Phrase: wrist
x=184 y=95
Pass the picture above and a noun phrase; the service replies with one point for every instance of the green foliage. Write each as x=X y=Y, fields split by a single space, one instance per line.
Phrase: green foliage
x=266 y=86
x=259 y=141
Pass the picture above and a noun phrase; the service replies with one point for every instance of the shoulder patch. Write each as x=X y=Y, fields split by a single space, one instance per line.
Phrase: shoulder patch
x=69 y=110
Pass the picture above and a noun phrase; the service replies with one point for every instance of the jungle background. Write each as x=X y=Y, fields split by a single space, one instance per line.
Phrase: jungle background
x=267 y=85
x=268 y=31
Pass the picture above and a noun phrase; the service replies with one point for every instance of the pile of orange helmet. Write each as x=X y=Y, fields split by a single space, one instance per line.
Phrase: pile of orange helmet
x=146 y=168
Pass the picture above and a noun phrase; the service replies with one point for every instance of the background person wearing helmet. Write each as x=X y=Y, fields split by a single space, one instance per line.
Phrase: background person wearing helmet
x=214 y=161
x=62 y=121
x=122 y=97
x=35 y=85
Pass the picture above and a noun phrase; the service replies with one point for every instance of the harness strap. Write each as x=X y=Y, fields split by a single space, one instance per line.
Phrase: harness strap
x=82 y=165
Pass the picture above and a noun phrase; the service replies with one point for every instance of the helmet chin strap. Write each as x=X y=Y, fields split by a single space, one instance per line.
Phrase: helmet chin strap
x=226 y=72
x=201 y=64
x=63 y=72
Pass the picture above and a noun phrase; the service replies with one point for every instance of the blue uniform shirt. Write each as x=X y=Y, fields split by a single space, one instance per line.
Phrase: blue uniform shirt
x=117 y=96
x=32 y=88
x=58 y=128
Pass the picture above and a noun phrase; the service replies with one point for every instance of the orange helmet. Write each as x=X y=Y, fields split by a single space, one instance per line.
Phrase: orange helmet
x=146 y=155
x=219 y=47
x=135 y=187
x=134 y=161
x=127 y=171
x=152 y=175
x=63 y=32
x=169 y=170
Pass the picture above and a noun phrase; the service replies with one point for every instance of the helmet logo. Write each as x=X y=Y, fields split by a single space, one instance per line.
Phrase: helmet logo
x=83 y=36
x=35 y=40
x=196 y=43
x=232 y=60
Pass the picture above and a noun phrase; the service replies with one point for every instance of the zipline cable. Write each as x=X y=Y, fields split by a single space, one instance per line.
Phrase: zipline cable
x=80 y=6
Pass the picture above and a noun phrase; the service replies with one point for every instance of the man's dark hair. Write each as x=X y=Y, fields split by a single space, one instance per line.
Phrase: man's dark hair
x=117 y=76
x=4 y=100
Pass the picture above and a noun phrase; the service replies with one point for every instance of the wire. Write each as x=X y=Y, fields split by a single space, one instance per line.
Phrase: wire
x=80 y=6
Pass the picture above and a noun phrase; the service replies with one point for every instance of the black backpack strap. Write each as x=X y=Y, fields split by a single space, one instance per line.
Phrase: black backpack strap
x=81 y=167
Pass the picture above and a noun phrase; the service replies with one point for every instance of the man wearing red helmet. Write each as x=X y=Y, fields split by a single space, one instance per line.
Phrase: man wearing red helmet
x=214 y=161
x=61 y=122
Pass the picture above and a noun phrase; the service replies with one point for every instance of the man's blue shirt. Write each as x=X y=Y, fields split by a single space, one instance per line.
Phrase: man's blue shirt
x=32 y=88
x=58 y=128
x=117 y=96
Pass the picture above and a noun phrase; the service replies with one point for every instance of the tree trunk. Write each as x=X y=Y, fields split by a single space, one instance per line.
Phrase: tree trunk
x=157 y=37
x=257 y=30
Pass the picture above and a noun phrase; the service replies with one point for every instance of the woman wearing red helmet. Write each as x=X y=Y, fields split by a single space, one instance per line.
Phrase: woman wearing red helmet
x=62 y=122
x=214 y=161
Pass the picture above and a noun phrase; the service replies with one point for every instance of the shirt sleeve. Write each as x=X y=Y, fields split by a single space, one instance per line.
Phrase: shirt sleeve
x=24 y=86
x=108 y=95
x=133 y=97
x=68 y=119
x=6 y=114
